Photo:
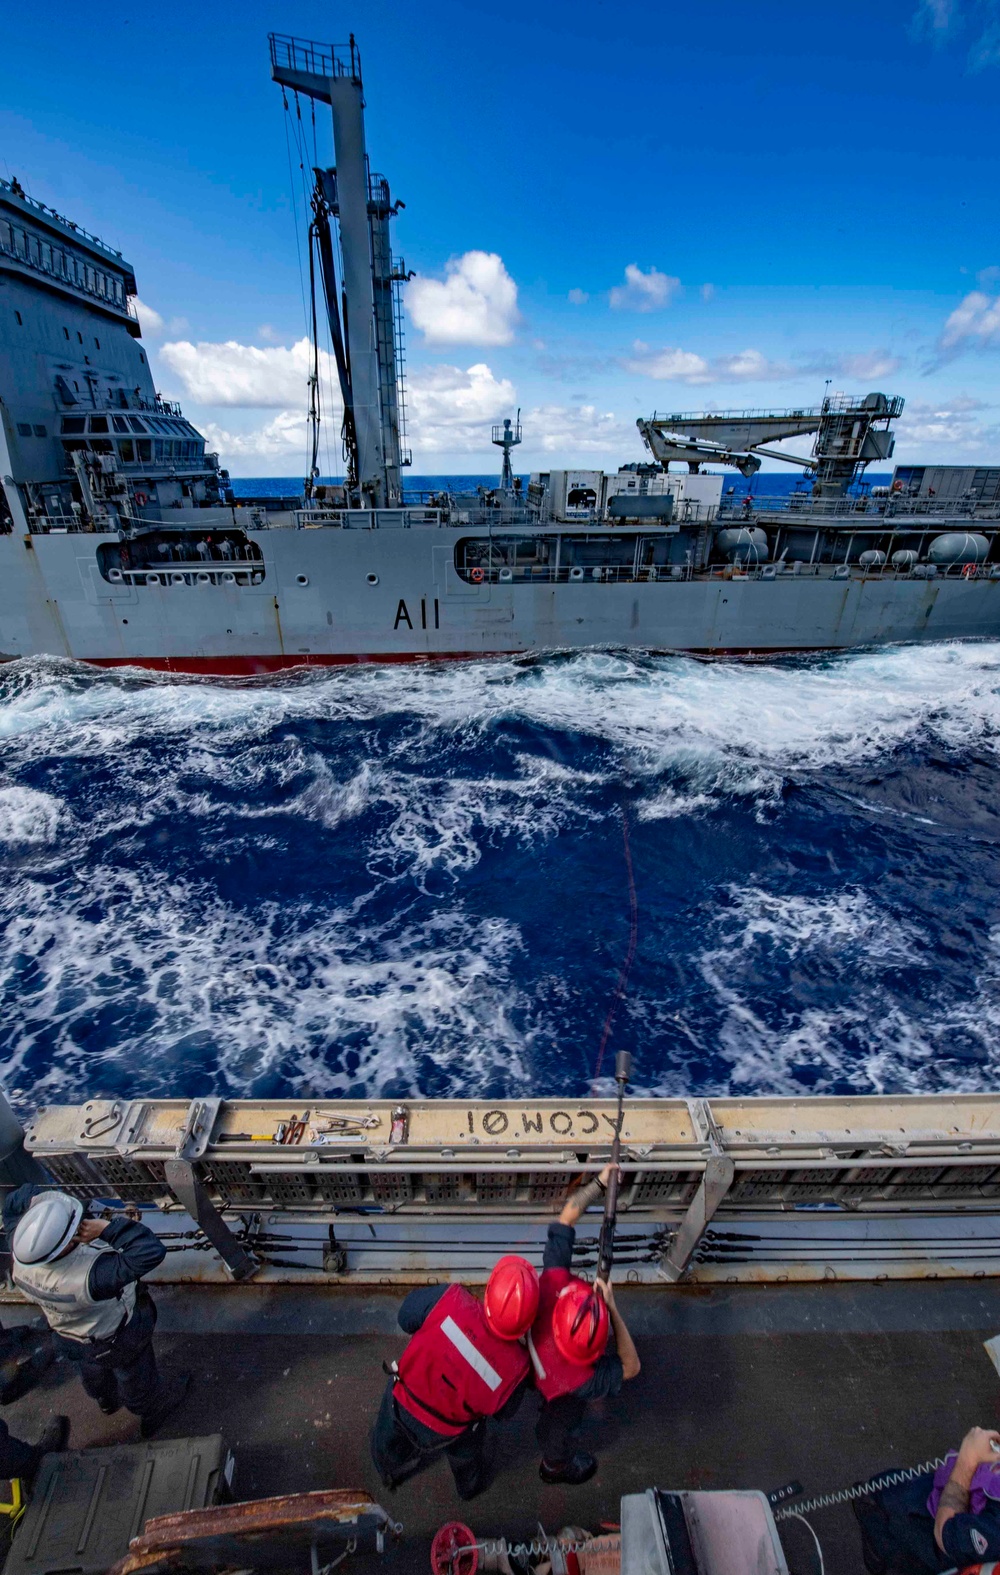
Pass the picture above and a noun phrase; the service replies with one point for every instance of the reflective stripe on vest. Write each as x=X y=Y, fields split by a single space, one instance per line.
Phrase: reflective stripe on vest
x=455 y=1370
x=554 y=1376
x=61 y=1290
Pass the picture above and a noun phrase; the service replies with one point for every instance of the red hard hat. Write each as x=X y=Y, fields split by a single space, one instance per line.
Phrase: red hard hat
x=580 y=1323
x=511 y=1300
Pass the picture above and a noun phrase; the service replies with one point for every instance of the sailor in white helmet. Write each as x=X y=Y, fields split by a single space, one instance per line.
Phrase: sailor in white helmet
x=84 y=1274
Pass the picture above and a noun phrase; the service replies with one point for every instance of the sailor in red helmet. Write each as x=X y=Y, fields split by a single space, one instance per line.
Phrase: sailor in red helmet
x=466 y=1361
x=570 y=1348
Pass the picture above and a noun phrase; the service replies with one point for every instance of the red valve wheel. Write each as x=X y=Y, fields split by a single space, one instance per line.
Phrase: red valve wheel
x=454 y=1551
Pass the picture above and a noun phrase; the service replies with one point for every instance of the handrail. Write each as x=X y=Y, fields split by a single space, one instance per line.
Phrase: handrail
x=84 y=235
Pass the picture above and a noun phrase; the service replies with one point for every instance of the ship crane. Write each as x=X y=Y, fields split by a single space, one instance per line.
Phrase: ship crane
x=364 y=314
x=850 y=433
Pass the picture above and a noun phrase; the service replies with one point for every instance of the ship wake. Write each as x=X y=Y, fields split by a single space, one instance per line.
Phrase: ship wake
x=412 y=881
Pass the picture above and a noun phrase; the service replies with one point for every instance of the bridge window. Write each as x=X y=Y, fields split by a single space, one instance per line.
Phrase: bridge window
x=41 y=431
x=120 y=424
x=127 y=452
x=98 y=423
x=23 y=429
x=73 y=424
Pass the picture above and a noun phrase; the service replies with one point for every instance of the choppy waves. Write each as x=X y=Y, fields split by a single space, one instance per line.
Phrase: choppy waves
x=412 y=880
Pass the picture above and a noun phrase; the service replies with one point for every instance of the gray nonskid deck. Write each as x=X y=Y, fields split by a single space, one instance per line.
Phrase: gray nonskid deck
x=740 y=1387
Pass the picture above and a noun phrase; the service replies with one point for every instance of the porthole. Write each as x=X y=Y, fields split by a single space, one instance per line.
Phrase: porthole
x=204 y=579
x=302 y=579
x=177 y=579
x=114 y=574
x=152 y=579
x=372 y=579
x=229 y=579
x=576 y=573
x=505 y=576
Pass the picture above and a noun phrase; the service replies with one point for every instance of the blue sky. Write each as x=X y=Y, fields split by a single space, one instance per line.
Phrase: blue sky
x=609 y=209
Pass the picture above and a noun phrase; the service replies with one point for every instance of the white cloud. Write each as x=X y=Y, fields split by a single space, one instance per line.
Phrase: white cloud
x=578 y=297
x=674 y=365
x=569 y=430
x=940 y=20
x=865 y=365
x=282 y=438
x=475 y=303
x=644 y=292
x=243 y=375
x=150 y=320
x=708 y=292
x=975 y=322
x=939 y=432
x=451 y=411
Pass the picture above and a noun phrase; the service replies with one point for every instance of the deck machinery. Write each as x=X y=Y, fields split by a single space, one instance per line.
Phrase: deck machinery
x=850 y=434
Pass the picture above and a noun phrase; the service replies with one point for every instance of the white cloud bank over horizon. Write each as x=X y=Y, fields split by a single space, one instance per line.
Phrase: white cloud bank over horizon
x=474 y=304
x=672 y=364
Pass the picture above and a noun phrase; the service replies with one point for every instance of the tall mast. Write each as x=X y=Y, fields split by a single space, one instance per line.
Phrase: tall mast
x=362 y=208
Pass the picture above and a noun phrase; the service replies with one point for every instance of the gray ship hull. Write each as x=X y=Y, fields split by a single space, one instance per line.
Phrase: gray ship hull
x=328 y=596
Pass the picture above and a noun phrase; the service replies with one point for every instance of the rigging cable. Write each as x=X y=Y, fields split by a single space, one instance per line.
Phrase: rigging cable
x=295 y=211
x=630 y=954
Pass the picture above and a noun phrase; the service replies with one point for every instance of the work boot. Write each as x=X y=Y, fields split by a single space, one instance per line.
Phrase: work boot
x=172 y=1392
x=55 y=1436
x=580 y=1468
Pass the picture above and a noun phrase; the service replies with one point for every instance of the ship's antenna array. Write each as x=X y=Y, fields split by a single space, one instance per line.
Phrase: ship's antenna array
x=507 y=437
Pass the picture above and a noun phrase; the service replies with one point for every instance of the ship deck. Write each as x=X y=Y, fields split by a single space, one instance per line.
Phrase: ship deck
x=742 y=1386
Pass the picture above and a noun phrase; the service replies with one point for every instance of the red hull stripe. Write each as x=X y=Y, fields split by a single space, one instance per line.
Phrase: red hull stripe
x=251 y=666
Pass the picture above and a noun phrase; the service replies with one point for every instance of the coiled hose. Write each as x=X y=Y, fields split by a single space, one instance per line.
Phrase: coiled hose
x=863 y=1490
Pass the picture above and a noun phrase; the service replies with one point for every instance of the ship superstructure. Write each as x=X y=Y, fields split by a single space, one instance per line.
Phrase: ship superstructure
x=85 y=439
x=121 y=542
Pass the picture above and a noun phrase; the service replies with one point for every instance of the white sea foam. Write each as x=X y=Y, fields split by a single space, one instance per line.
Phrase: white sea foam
x=721 y=727
x=28 y=817
x=322 y=999
x=872 y=1034
x=418 y=772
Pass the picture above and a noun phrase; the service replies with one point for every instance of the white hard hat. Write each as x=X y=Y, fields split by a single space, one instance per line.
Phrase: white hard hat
x=47 y=1228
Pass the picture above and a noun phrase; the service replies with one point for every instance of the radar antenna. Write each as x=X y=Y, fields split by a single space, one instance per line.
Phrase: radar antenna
x=507 y=437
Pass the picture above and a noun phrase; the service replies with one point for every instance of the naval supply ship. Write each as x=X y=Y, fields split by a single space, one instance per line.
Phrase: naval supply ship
x=121 y=542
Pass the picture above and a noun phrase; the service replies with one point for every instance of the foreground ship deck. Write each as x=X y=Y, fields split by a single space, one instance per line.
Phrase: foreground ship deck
x=740 y=1387
x=809 y=1283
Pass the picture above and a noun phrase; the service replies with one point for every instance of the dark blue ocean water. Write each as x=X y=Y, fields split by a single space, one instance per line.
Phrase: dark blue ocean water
x=765 y=484
x=414 y=880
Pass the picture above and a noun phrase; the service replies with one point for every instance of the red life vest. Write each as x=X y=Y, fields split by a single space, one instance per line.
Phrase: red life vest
x=554 y=1376
x=455 y=1370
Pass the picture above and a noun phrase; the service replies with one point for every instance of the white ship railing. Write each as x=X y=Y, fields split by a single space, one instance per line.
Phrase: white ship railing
x=406 y=518
x=738 y=507
x=375 y=1192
